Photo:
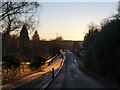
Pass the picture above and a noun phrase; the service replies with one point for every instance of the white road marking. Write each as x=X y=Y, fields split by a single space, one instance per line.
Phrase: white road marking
x=75 y=60
x=76 y=75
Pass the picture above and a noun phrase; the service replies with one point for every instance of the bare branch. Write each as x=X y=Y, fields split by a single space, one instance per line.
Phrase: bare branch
x=13 y=13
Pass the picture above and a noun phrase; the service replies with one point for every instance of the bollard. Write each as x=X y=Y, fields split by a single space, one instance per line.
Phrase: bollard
x=52 y=72
x=62 y=56
x=61 y=63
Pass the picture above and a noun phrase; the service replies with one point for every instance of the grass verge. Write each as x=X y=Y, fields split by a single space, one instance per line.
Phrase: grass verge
x=103 y=80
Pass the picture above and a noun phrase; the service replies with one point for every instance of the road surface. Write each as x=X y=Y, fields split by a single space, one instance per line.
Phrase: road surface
x=71 y=77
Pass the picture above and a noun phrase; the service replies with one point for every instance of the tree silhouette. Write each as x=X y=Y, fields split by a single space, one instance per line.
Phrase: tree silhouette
x=24 y=34
x=57 y=44
x=36 y=36
x=13 y=15
x=24 y=40
x=76 y=45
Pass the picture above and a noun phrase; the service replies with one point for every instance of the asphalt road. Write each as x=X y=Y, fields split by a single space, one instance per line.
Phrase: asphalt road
x=71 y=77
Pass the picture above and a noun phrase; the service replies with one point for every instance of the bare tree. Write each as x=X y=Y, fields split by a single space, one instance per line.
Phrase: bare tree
x=15 y=14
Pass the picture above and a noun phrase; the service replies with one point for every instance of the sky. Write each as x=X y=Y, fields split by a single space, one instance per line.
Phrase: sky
x=71 y=19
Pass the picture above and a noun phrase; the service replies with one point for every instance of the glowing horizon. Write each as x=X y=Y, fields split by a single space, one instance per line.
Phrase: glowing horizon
x=70 y=19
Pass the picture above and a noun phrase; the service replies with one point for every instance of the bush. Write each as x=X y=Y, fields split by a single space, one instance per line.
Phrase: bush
x=37 y=62
x=13 y=74
x=11 y=60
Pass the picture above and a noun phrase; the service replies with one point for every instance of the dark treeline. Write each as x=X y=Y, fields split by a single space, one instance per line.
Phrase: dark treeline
x=102 y=48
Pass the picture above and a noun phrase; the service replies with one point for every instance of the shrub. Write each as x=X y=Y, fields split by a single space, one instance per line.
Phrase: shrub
x=13 y=74
x=11 y=60
x=37 y=62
